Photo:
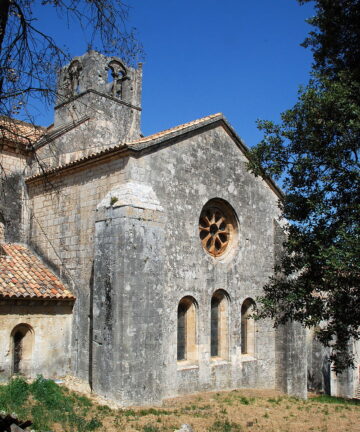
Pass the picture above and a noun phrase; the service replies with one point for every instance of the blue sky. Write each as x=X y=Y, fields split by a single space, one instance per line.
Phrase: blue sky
x=242 y=58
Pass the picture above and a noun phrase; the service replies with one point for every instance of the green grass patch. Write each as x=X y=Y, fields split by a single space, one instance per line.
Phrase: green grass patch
x=245 y=400
x=334 y=400
x=150 y=428
x=13 y=396
x=225 y=426
x=45 y=403
x=275 y=401
x=153 y=411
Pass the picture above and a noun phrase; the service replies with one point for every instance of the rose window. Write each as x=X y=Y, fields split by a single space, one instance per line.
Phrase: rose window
x=216 y=227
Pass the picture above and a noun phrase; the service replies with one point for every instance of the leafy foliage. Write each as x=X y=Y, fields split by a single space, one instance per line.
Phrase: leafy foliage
x=315 y=153
x=335 y=39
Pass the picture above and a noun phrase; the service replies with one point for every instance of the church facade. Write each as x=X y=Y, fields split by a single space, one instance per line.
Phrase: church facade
x=133 y=263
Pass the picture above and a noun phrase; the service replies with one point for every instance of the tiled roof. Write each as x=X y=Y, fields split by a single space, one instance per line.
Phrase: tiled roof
x=24 y=276
x=145 y=141
x=175 y=129
x=20 y=132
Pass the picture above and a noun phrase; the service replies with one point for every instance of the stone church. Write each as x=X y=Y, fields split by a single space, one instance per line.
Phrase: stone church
x=132 y=264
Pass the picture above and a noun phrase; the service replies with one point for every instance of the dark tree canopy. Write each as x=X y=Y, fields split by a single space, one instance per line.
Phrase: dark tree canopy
x=315 y=153
x=29 y=58
x=335 y=39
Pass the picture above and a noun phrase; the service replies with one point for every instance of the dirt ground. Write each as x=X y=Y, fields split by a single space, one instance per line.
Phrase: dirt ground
x=236 y=411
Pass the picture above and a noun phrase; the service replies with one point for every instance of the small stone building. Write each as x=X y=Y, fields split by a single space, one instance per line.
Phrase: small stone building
x=32 y=298
x=133 y=263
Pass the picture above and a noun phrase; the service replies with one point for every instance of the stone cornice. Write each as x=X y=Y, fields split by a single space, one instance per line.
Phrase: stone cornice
x=99 y=94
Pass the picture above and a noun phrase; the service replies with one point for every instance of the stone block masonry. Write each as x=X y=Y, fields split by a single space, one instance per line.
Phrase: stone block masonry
x=166 y=241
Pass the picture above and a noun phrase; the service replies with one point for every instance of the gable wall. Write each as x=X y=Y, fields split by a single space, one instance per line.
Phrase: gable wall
x=184 y=177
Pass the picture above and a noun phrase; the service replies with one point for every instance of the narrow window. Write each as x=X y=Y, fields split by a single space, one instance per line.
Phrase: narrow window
x=247 y=328
x=181 y=343
x=18 y=337
x=186 y=330
x=219 y=345
x=214 y=327
x=22 y=343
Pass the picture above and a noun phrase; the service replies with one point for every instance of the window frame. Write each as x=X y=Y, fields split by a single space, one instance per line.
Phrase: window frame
x=221 y=350
x=248 y=329
x=189 y=307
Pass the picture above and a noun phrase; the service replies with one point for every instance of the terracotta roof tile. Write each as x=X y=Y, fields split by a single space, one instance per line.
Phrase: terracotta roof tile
x=174 y=129
x=24 y=275
x=20 y=132
x=144 y=140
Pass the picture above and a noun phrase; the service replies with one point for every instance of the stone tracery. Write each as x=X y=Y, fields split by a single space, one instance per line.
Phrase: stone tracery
x=216 y=225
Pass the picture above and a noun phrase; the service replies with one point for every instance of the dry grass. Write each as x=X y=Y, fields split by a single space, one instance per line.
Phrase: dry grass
x=239 y=410
x=57 y=409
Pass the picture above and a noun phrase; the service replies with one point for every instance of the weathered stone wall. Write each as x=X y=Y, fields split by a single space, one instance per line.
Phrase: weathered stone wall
x=12 y=206
x=318 y=364
x=128 y=319
x=346 y=384
x=11 y=162
x=291 y=359
x=290 y=341
x=49 y=354
x=184 y=177
x=62 y=231
x=109 y=123
x=12 y=193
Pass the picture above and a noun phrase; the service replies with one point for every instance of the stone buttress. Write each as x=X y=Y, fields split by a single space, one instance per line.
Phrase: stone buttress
x=127 y=298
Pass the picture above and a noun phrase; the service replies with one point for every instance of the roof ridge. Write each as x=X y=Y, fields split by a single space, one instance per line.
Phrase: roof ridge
x=13 y=120
x=107 y=150
x=175 y=128
x=21 y=132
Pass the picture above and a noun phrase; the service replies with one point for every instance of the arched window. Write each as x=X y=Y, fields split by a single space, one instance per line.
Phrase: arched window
x=22 y=346
x=186 y=329
x=219 y=325
x=116 y=76
x=74 y=72
x=247 y=328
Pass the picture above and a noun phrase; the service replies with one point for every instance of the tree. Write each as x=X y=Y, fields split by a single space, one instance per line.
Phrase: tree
x=29 y=58
x=315 y=153
x=335 y=42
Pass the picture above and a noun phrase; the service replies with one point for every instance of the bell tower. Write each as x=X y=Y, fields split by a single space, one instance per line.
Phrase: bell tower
x=98 y=105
